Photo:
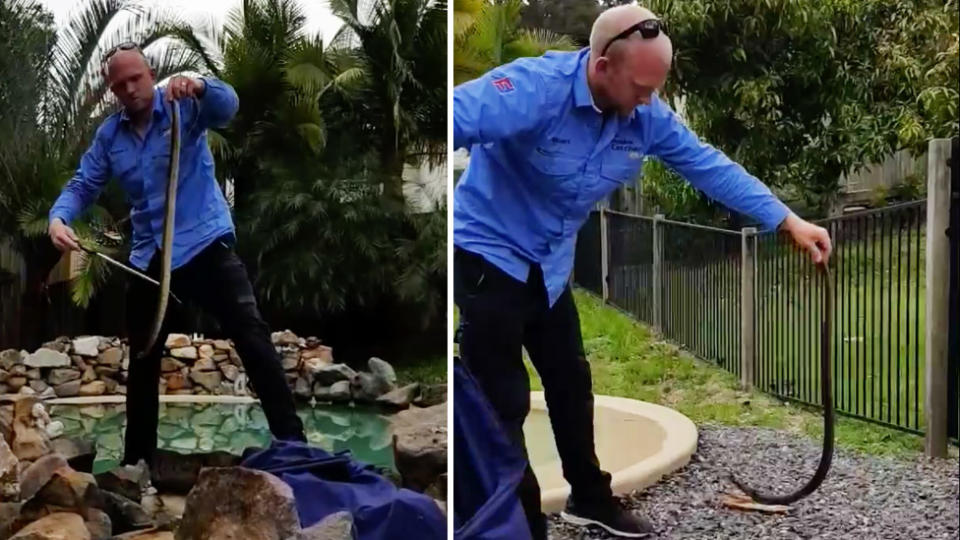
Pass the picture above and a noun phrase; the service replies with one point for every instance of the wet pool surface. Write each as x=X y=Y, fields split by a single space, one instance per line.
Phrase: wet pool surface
x=205 y=427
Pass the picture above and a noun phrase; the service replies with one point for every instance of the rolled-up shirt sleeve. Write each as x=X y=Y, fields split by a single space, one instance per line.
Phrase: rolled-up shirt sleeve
x=710 y=170
x=503 y=102
x=87 y=182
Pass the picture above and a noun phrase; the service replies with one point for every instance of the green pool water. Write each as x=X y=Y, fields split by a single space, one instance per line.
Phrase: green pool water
x=204 y=427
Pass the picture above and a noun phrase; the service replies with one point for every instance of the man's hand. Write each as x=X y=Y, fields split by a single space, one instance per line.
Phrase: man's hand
x=180 y=87
x=63 y=236
x=812 y=238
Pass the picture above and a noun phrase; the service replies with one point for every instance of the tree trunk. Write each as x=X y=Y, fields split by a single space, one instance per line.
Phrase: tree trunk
x=391 y=163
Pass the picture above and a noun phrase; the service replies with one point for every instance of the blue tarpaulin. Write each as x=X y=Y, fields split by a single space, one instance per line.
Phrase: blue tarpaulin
x=325 y=483
x=487 y=468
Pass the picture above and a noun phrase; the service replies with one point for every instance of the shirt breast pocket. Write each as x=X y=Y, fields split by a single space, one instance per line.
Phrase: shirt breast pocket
x=123 y=164
x=621 y=167
x=556 y=163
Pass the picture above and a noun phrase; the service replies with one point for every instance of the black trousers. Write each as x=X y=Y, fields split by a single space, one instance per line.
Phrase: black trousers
x=217 y=281
x=498 y=317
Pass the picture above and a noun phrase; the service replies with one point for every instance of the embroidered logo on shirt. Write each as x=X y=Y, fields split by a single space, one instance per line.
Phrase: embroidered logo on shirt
x=503 y=85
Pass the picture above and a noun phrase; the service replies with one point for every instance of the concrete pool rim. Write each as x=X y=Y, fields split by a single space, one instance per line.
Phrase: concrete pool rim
x=679 y=444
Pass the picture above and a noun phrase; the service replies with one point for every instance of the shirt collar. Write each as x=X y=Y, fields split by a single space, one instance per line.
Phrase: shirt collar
x=581 y=90
x=157 y=107
x=582 y=97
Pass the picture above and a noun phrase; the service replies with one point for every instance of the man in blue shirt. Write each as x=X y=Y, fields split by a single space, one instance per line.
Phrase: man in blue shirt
x=548 y=138
x=133 y=146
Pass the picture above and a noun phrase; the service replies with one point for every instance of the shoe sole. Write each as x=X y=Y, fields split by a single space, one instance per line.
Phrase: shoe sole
x=583 y=522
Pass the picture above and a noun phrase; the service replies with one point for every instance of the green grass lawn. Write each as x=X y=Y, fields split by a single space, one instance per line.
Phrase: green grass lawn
x=628 y=360
x=430 y=370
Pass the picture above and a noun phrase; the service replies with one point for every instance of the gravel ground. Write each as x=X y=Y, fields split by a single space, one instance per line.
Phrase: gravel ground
x=863 y=497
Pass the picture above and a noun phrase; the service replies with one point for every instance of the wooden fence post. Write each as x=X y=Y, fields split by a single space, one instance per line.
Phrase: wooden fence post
x=658 y=273
x=938 y=309
x=748 y=265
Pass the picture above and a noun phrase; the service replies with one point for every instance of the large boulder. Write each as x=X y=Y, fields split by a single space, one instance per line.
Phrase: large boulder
x=235 y=502
x=129 y=481
x=230 y=371
x=125 y=515
x=205 y=363
x=30 y=440
x=207 y=379
x=99 y=524
x=336 y=392
x=171 y=472
x=59 y=376
x=187 y=353
x=9 y=473
x=284 y=338
x=401 y=398
x=95 y=388
x=112 y=357
x=69 y=389
x=420 y=446
x=56 y=526
x=176 y=341
x=382 y=369
x=10 y=518
x=79 y=453
x=47 y=358
x=431 y=394
x=367 y=387
x=333 y=373
x=69 y=489
x=9 y=358
x=86 y=346
x=169 y=364
x=39 y=473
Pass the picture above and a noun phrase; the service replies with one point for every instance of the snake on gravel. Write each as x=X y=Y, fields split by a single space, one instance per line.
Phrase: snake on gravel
x=826 y=399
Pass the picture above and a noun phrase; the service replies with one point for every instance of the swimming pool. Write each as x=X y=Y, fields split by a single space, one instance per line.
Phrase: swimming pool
x=232 y=427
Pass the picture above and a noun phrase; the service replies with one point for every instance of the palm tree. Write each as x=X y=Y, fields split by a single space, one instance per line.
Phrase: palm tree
x=71 y=99
x=488 y=35
x=403 y=45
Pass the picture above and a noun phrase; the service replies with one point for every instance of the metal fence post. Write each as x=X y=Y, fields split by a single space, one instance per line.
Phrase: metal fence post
x=658 y=273
x=604 y=256
x=938 y=309
x=748 y=274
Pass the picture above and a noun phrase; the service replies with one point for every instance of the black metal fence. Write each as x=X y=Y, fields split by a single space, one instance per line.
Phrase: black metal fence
x=630 y=270
x=587 y=271
x=878 y=280
x=701 y=291
x=878 y=275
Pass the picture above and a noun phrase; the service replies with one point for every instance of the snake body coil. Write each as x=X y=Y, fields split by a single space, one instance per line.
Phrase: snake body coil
x=826 y=397
x=166 y=251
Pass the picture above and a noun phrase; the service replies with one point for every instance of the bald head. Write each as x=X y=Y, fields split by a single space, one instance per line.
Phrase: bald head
x=625 y=70
x=131 y=79
x=618 y=19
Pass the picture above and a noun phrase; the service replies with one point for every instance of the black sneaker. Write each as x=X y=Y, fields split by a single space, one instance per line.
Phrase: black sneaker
x=610 y=515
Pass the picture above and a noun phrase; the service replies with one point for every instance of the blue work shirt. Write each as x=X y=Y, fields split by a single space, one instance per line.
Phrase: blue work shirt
x=141 y=165
x=542 y=154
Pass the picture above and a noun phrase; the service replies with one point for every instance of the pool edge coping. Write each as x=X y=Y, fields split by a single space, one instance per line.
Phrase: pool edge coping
x=679 y=445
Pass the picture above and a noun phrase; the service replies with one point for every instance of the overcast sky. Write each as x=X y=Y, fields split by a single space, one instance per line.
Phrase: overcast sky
x=319 y=17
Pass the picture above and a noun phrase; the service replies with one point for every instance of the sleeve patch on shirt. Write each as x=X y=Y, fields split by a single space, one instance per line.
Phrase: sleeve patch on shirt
x=503 y=85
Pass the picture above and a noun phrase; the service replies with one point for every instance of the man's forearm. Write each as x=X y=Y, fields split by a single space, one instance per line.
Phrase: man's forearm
x=218 y=103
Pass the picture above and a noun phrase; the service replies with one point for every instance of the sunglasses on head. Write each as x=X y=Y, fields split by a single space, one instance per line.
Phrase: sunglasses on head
x=648 y=29
x=125 y=46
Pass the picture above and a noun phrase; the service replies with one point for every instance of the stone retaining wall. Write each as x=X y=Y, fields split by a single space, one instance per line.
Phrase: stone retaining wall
x=95 y=366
